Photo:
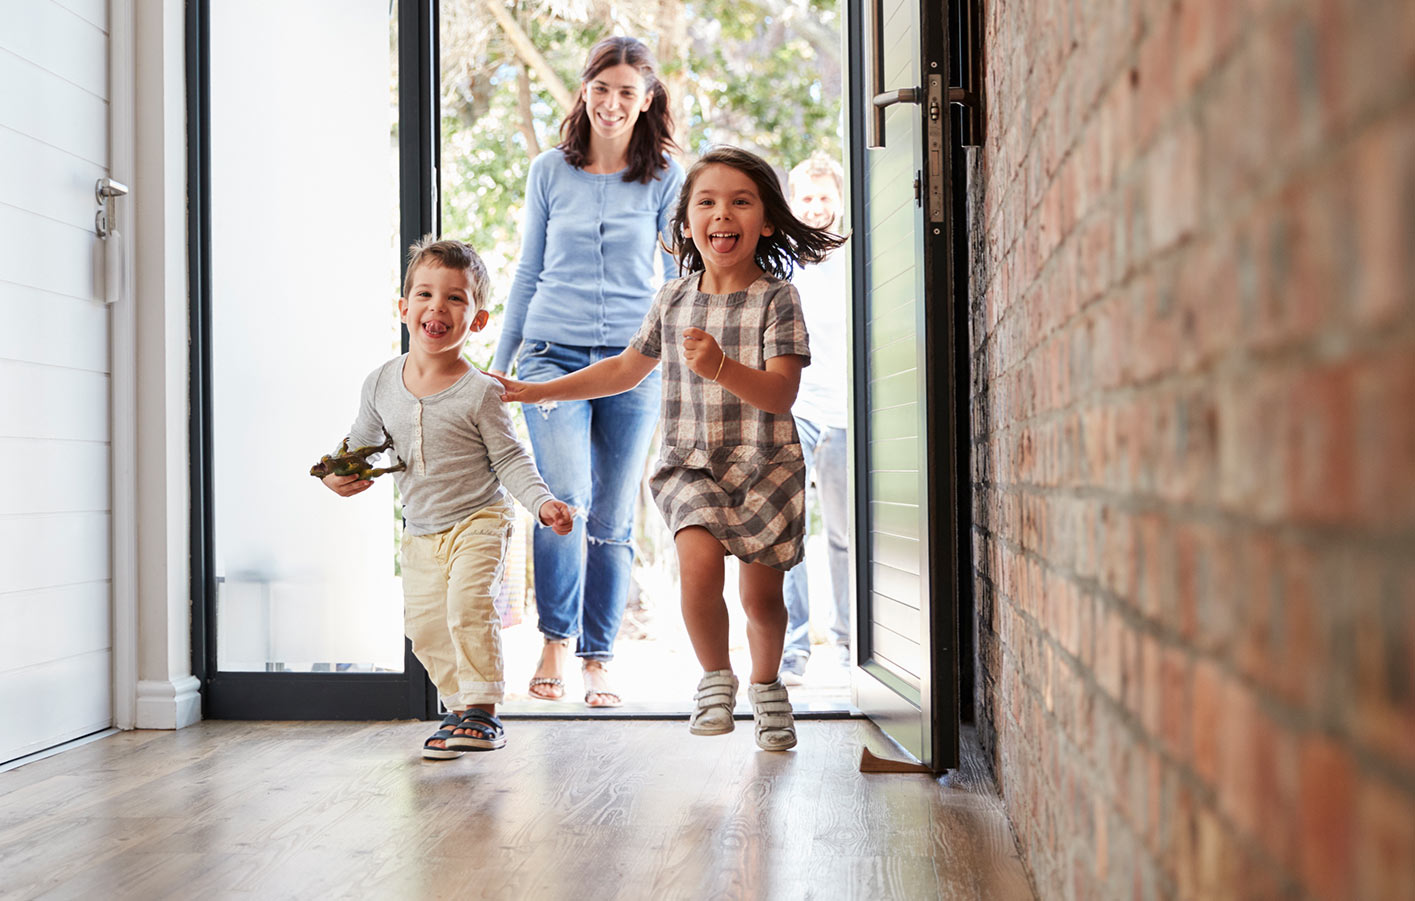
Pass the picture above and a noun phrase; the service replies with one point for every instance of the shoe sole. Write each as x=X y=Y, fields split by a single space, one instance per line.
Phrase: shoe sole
x=712 y=730
x=440 y=754
x=778 y=747
x=476 y=744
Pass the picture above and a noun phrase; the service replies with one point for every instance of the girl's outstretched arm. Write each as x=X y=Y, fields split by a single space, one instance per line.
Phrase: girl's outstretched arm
x=612 y=376
x=772 y=389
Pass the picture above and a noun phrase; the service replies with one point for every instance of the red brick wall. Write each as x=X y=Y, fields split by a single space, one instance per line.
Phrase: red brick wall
x=1193 y=341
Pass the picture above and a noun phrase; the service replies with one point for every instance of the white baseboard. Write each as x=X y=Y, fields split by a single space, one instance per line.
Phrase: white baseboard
x=169 y=705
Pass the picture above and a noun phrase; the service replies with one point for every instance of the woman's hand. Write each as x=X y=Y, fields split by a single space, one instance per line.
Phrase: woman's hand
x=702 y=353
x=513 y=391
x=346 y=486
x=557 y=515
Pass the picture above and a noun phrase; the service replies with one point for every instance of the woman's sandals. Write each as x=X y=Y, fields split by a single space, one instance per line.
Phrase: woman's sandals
x=596 y=673
x=771 y=708
x=552 y=687
x=717 y=695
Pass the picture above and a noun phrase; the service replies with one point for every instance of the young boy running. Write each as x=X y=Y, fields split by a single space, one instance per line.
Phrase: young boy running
x=455 y=437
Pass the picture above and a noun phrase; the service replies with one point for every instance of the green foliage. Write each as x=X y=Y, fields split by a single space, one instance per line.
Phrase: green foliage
x=484 y=168
x=761 y=87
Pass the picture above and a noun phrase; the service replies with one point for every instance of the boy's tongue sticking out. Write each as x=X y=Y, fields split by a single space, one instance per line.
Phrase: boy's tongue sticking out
x=435 y=329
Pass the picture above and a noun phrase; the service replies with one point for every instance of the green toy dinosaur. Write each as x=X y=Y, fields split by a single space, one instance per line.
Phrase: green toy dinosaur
x=345 y=462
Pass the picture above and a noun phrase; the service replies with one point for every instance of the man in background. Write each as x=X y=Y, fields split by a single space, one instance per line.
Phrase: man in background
x=820 y=410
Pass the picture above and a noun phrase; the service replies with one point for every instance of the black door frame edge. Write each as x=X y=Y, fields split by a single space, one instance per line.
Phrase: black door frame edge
x=420 y=197
x=942 y=416
x=202 y=548
x=854 y=98
x=963 y=71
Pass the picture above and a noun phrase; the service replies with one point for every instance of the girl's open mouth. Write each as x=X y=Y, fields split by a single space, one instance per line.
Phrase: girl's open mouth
x=723 y=242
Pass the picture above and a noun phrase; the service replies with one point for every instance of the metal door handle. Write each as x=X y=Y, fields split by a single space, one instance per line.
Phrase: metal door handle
x=106 y=191
x=903 y=95
x=887 y=99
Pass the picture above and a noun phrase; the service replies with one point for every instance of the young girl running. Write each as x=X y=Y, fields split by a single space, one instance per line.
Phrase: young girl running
x=731 y=477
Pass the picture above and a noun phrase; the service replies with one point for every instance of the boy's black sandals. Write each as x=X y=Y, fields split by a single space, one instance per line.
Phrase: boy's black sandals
x=481 y=732
x=444 y=735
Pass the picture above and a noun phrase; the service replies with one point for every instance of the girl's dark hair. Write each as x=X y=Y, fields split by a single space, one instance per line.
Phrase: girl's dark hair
x=653 y=132
x=791 y=242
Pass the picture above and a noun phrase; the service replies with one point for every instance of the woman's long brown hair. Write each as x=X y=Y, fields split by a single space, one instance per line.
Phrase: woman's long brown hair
x=653 y=132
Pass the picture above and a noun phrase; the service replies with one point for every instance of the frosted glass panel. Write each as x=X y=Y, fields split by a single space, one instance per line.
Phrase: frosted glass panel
x=305 y=253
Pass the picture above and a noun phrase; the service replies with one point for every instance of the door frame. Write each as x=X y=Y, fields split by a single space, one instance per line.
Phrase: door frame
x=277 y=696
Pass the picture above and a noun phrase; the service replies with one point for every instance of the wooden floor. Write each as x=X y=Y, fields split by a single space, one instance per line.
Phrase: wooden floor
x=573 y=810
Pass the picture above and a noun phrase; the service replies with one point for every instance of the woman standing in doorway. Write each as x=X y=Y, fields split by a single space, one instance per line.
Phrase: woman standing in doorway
x=595 y=207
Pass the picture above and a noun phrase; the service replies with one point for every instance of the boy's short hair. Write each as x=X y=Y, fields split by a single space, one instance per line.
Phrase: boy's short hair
x=817 y=165
x=449 y=254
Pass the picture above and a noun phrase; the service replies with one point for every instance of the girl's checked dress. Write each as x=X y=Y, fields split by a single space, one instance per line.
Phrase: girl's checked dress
x=725 y=465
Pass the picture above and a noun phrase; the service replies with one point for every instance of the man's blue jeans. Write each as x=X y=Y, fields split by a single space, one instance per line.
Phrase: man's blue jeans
x=591 y=454
x=824 y=450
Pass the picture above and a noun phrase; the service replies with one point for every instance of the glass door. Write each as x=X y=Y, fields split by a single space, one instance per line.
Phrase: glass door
x=303 y=228
x=905 y=465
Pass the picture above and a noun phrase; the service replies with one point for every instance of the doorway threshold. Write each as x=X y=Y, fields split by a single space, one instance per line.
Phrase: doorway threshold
x=559 y=710
x=656 y=676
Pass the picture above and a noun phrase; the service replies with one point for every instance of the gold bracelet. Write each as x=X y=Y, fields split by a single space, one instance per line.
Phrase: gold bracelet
x=721 y=363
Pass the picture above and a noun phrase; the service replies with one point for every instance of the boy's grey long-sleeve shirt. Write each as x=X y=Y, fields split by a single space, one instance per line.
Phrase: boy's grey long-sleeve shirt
x=458 y=444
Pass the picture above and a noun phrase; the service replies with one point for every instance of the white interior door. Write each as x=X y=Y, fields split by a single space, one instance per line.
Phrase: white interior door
x=56 y=633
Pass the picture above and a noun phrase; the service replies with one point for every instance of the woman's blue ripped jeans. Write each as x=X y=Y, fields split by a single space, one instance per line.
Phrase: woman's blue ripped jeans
x=591 y=453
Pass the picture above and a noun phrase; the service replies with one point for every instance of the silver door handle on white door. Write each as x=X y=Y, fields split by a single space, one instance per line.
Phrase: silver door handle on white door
x=106 y=191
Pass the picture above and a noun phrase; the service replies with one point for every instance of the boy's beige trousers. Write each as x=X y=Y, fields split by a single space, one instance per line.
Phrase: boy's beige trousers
x=449 y=582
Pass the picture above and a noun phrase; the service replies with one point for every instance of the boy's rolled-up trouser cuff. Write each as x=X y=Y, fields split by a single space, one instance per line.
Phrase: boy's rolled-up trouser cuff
x=473 y=693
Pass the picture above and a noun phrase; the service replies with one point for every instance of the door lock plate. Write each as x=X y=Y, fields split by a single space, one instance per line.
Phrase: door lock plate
x=933 y=147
